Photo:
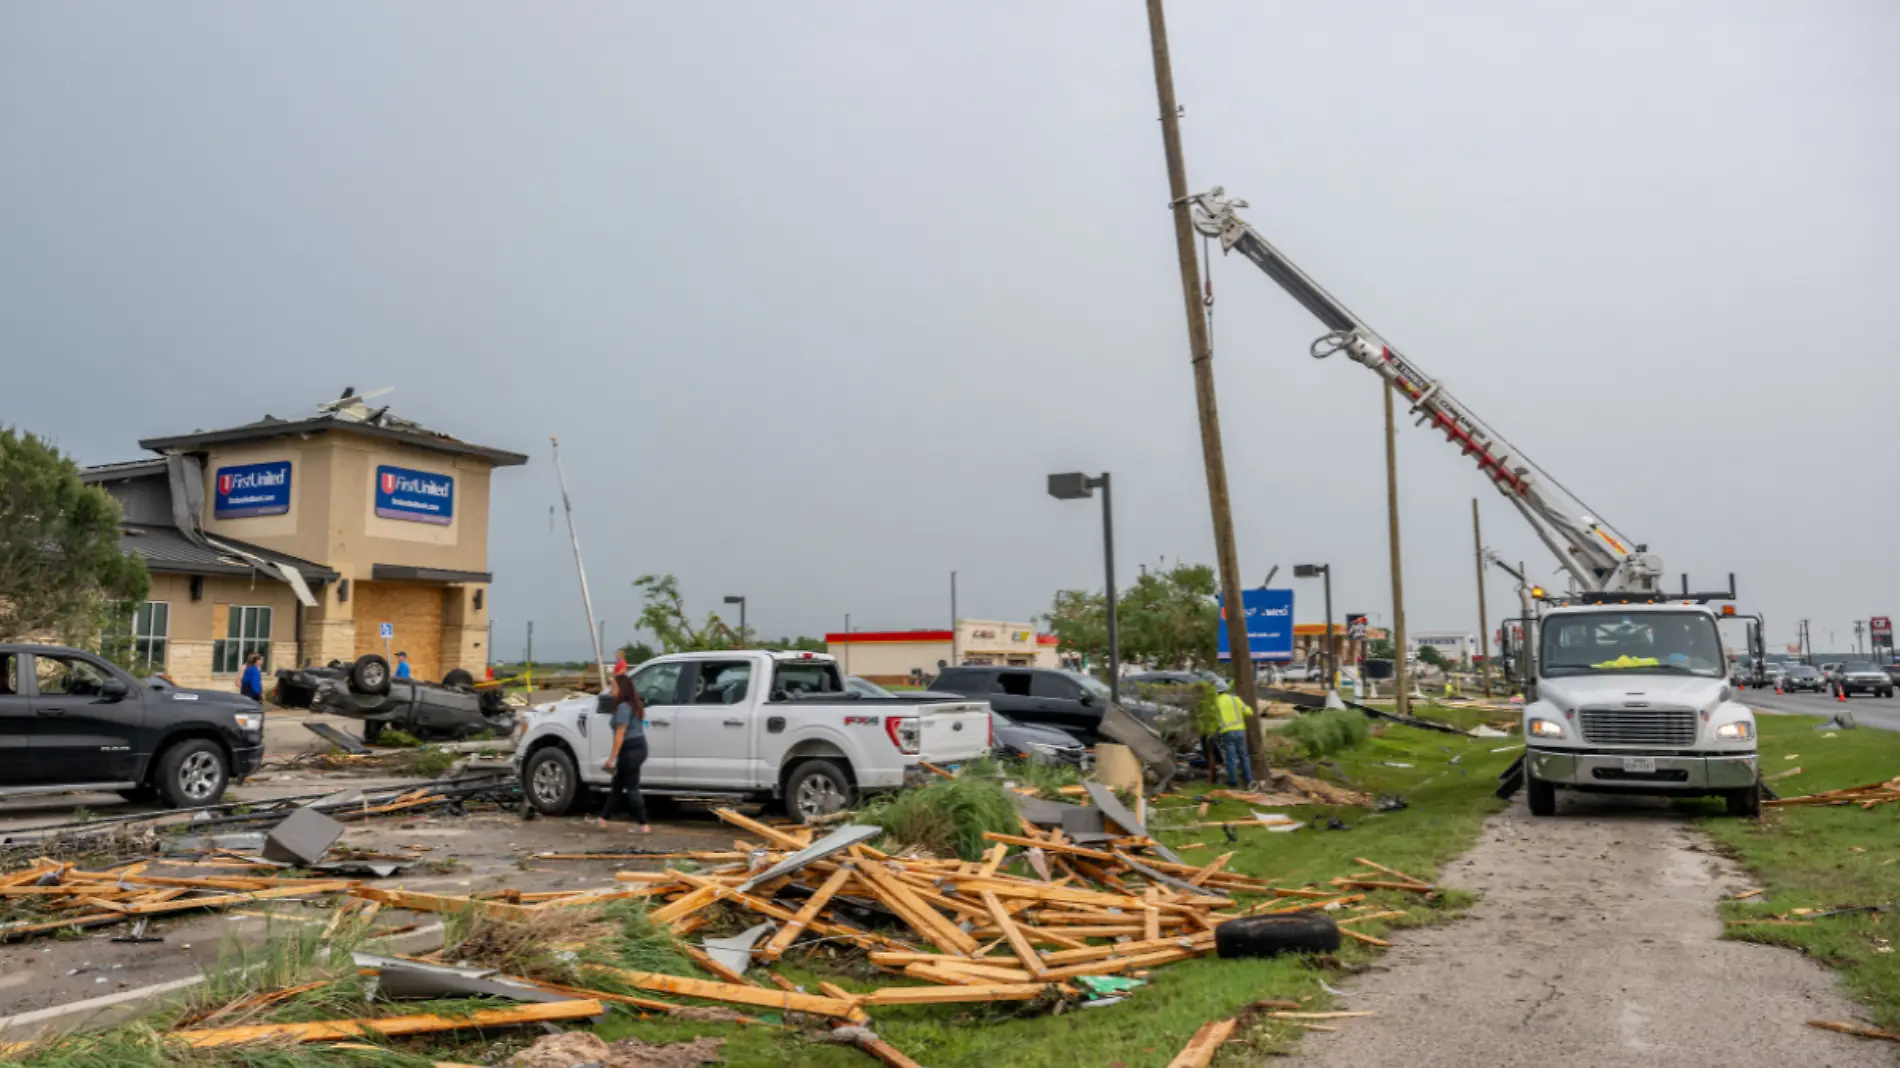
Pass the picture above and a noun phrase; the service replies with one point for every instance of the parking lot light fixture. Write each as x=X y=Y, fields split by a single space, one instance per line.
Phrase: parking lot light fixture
x=1074 y=486
x=740 y=601
x=1332 y=657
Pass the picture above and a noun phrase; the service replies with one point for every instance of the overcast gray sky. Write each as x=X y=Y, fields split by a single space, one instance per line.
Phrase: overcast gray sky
x=816 y=294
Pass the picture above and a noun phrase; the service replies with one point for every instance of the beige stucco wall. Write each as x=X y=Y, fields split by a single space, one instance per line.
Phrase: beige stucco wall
x=194 y=625
x=888 y=660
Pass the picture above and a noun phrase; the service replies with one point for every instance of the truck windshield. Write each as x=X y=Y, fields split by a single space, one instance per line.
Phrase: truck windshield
x=1667 y=643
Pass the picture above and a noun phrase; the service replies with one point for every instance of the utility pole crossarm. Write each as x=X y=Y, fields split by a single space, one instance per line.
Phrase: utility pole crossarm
x=1594 y=553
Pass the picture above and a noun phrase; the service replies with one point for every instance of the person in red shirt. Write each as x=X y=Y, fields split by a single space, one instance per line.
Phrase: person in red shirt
x=620 y=663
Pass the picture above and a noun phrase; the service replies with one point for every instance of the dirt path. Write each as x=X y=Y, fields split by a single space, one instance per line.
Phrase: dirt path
x=1596 y=943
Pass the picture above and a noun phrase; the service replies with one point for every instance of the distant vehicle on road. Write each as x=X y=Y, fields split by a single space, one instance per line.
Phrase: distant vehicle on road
x=1741 y=675
x=1803 y=677
x=95 y=727
x=1773 y=674
x=761 y=724
x=1045 y=697
x=1861 y=677
x=1829 y=670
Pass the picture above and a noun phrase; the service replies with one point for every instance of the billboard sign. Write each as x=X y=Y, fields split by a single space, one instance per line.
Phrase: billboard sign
x=245 y=490
x=1882 y=628
x=1356 y=626
x=1269 y=625
x=415 y=496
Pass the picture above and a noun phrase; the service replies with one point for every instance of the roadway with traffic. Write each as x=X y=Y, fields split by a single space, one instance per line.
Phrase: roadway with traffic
x=1881 y=712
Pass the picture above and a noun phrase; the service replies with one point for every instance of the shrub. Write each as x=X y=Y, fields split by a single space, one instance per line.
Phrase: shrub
x=1323 y=733
x=946 y=817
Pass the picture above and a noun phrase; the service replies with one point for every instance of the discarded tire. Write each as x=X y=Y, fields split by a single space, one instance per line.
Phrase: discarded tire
x=1269 y=936
x=458 y=678
x=370 y=674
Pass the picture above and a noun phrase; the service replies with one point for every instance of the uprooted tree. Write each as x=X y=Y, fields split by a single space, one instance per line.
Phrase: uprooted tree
x=1167 y=619
x=62 y=572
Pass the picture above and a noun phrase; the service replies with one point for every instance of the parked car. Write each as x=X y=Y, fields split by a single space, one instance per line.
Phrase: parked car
x=70 y=720
x=1175 y=678
x=801 y=737
x=1803 y=677
x=1892 y=670
x=1741 y=675
x=1864 y=678
x=451 y=709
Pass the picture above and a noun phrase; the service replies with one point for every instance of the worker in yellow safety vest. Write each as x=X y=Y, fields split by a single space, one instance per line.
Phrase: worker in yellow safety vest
x=1231 y=736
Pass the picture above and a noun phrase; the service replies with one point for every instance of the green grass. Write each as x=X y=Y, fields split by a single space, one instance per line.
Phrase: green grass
x=1324 y=733
x=425 y=763
x=946 y=817
x=1825 y=857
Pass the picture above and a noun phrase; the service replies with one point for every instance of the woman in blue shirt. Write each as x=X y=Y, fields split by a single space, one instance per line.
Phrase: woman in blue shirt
x=629 y=752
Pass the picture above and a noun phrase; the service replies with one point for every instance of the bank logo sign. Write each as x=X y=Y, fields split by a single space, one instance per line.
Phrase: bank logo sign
x=1269 y=625
x=246 y=490
x=417 y=496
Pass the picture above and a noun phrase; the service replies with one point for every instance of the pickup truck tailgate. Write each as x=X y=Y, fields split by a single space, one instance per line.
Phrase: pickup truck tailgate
x=953 y=731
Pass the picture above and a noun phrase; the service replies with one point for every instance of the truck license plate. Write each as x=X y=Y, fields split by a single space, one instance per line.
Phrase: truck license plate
x=1644 y=764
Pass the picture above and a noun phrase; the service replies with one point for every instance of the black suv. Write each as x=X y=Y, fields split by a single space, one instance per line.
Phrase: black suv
x=70 y=720
x=1067 y=700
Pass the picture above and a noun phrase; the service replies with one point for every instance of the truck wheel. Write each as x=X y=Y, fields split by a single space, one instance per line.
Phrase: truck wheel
x=1269 y=936
x=1888 y=692
x=140 y=795
x=817 y=788
x=370 y=674
x=552 y=780
x=191 y=773
x=1744 y=803
x=1542 y=795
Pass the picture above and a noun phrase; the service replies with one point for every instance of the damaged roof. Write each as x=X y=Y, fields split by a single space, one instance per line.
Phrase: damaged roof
x=165 y=548
x=378 y=425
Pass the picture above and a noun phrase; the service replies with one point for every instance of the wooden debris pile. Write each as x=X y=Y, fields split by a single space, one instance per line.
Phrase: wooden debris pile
x=50 y=896
x=1866 y=797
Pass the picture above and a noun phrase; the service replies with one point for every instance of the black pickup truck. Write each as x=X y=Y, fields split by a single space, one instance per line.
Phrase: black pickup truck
x=70 y=720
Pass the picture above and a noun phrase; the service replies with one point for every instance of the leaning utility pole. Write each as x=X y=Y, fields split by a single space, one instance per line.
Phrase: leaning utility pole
x=1484 y=626
x=1201 y=355
x=1400 y=682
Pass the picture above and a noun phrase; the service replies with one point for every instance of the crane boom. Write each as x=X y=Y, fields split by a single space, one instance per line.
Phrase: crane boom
x=1593 y=552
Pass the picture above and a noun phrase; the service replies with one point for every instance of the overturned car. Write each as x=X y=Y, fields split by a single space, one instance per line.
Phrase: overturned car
x=367 y=690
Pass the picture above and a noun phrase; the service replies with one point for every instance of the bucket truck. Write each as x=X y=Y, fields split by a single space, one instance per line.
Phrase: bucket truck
x=1627 y=687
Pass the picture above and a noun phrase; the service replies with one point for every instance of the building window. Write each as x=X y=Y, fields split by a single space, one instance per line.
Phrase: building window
x=151 y=627
x=249 y=633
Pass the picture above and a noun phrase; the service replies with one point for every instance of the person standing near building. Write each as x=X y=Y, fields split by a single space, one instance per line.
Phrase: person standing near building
x=251 y=681
x=402 y=665
x=620 y=663
x=1232 y=739
x=629 y=752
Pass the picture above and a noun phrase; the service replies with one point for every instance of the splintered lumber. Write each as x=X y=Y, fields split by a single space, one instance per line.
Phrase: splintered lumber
x=733 y=993
x=1370 y=884
x=1861 y=1030
x=705 y=960
x=937 y=995
x=1128 y=949
x=683 y=907
x=1199 y=1052
x=1394 y=872
x=924 y=919
x=1390 y=914
x=935 y=770
x=415 y=902
x=1123 y=964
x=425 y=1023
x=770 y=834
x=791 y=929
x=15 y=930
x=622 y=999
x=1360 y=936
x=1013 y=934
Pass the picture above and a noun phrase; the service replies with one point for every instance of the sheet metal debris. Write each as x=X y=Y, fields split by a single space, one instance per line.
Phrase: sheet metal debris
x=302 y=838
x=1113 y=809
x=843 y=838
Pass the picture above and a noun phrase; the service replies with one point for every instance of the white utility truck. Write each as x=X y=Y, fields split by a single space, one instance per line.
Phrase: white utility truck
x=750 y=725
x=1630 y=692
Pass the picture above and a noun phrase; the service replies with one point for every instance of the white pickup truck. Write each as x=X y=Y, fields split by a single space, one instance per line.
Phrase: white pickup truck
x=757 y=725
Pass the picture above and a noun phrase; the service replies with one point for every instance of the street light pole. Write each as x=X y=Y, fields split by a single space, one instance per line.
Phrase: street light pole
x=740 y=601
x=954 y=658
x=1073 y=486
x=1484 y=626
x=1332 y=656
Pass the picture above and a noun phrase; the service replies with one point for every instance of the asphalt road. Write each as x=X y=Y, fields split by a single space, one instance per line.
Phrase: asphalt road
x=1596 y=943
x=1881 y=712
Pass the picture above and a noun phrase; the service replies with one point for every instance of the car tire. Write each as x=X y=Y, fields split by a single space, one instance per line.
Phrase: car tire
x=1744 y=803
x=140 y=795
x=817 y=788
x=370 y=674
x=1542 y=795
x=459 y=678
x=1888 y=692
x=551 y=780
x=191 y=774
x=1270 y=936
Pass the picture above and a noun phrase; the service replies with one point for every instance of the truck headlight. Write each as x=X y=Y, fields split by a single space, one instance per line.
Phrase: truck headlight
x=1546 y=728
x=1736 y=732
x=249 y=722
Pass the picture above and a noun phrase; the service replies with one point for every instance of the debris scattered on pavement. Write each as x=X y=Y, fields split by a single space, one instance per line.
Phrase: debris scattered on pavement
x=1847 y=1028
x=1199 y=1052
x=302 y=838
x=1746 y=894
x=1865 y=796
x=577 y=1049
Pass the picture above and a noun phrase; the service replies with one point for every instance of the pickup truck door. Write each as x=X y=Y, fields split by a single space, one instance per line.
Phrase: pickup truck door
x=80 y=735
x=16 y=726
x=712 y=730
x=659 y=688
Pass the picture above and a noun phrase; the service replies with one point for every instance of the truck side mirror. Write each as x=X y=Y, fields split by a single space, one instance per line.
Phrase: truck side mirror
x=1087 y=700
x=114 y=689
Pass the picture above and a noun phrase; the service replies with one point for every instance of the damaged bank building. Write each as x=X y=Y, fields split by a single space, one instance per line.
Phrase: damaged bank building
x=301 y=538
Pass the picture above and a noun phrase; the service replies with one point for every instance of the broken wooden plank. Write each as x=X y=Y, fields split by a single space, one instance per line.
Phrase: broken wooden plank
x=728 y=992
x=938 y=995
x=1199 y=1052
x=1859 y=1030
x=1360 y=936
x=1394 y=872
x=425 y=1023
x=789 y=931
x=418 y=902
x=770 y=834
x=1013 y=934
x=926 y=920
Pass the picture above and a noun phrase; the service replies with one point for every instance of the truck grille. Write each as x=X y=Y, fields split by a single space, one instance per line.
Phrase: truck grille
x=1665 y=727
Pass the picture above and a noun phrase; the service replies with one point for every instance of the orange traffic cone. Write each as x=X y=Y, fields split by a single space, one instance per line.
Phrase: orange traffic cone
x=1777 y=689
x=1840 y=693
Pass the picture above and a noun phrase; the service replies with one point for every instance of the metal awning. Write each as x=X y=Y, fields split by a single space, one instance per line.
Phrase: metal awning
x=405 y=573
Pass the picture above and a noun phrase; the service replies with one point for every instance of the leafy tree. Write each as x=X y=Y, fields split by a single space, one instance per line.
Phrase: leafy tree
x=638 y=652
x=1379 y=649
x=800 y=644
x=1431 y=656
x=1167 y=619
x=664 y=614
x=62 y=572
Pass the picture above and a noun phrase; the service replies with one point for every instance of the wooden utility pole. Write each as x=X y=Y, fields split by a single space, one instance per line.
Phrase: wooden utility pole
x=1400 y=680
x=1201 y=355
x=1484 y=626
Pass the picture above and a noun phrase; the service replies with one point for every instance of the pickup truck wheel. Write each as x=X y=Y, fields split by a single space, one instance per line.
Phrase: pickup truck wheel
x=139 y=795
x=817 y=788
x=552 y=780
x=1268 y=936
x=370 y=674
x=1541 y=795
x=192 y=773
x=1744 y=803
